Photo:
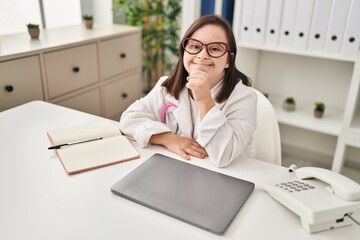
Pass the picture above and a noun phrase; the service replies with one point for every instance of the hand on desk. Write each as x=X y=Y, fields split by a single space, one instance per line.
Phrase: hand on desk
x=182 y=146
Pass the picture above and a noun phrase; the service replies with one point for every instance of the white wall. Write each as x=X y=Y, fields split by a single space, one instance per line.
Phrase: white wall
x=189 y=12
x=103 y=13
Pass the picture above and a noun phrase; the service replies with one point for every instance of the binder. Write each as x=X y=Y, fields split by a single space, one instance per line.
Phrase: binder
x=302 y=24
x=246 y=21
x=228 y=10
x=259 y=22
x=351 y=41
x=273 y=23
x=335 y=31
x=207 y=7
x=287 y=23
x=319 y=23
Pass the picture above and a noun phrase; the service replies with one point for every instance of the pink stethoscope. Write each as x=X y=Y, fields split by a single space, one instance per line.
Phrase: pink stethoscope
x=165 y=108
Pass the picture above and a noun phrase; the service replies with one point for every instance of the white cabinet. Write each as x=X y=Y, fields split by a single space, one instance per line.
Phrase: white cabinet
x=71 y=69
x=20 y=81
x=308 y=76
x=96 y=71
x=120 y=54
x=88 y=101
x=120 y=93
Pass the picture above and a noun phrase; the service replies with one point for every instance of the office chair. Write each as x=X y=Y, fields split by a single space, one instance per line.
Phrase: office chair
x=267 y=134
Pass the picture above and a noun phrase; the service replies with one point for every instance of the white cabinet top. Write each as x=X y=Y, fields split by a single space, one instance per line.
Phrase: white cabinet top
x=21 y=43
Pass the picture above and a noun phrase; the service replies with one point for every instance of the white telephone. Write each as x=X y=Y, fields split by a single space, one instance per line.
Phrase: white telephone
x=322 y=198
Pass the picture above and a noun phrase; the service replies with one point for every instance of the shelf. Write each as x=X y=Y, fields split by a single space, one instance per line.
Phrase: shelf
x=356 y=121
x=352 y=173
x=303 y=117
x=308 y=76
x=297 y=52
x=351 y=136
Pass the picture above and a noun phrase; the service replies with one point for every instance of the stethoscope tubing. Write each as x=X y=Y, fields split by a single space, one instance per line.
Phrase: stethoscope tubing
x=165 y=108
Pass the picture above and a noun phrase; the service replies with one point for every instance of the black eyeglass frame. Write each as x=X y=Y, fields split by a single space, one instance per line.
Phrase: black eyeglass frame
x=185 y=40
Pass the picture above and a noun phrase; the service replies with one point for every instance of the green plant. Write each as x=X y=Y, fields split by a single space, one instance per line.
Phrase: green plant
x=290 y=100
x=319 y=106
x=87 y=16
x=159 y=21
x=31 y=25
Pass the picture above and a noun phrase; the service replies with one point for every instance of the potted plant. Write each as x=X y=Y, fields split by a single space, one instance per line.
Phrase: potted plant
x=159 y=21
x=33 y=30
x=88 y=19
x=319 y=109
x=289 y=104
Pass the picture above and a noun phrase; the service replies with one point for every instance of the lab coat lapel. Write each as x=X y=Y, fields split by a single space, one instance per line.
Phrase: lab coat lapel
x=215 y=91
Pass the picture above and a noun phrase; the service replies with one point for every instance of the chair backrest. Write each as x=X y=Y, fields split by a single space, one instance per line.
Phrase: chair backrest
x=267 y=134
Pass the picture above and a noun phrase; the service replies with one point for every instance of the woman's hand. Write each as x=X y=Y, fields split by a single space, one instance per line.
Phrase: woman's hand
x=199 y=85
x=182 y=146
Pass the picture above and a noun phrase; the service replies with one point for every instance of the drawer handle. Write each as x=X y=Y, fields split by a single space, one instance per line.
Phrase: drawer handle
x=76 y=69
x=9 y=88
x=122 y=55
x=124 y=95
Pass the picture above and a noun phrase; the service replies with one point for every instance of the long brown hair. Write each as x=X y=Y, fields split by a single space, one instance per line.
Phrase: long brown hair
x=176 y=80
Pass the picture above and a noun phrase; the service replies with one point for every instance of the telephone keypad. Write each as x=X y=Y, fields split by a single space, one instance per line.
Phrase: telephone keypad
x=294 y=186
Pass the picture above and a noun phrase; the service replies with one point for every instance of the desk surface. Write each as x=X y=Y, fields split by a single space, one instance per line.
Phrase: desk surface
x=40 y=201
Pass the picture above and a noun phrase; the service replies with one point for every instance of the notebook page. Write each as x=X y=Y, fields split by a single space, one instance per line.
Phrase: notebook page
x=84 y=131
x=82 y=157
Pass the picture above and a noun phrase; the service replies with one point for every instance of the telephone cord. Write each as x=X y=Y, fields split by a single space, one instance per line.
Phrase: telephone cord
x=353 y=219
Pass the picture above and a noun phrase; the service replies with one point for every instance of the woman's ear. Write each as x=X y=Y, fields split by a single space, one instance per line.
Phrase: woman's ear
x=231 y=58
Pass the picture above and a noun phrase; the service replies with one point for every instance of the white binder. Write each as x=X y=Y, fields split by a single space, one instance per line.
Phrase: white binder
x=319 y=23
x=351 y=41
x=273 y=23
x=335 y=32
x=287 y=23
x=302 y=24
x=259 y=23
x=246 y=20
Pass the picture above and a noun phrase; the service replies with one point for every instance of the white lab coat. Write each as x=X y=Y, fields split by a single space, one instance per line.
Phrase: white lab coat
x=226 y=131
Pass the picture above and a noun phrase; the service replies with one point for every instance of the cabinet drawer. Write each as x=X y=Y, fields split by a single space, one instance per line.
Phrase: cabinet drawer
x=71 y=69
x=20 y=82
x=87 y=102
x=120 y=54
x=121 y=93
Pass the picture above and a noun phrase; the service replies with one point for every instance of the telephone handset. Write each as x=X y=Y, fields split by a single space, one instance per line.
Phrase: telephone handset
x=319 y=196
x=340 y=185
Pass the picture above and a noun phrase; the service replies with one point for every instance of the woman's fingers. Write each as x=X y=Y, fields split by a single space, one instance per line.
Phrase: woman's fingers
x=185 y=147
x=194 y=149
x=184 y=155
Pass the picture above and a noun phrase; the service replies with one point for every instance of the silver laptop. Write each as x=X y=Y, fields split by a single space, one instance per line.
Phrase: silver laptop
x=198 y=196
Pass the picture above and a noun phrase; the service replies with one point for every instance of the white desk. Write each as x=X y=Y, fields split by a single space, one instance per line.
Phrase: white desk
x=38 y=200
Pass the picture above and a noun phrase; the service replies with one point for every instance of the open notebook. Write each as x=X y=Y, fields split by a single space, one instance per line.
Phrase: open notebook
x=110 y=147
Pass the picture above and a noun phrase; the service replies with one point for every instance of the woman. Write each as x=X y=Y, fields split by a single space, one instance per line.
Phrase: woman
x=205 y=107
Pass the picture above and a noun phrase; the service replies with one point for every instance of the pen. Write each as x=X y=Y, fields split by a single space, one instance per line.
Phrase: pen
x=73 y=143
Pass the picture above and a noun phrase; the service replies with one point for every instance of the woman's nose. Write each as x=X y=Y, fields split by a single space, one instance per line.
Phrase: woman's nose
x=203 y=53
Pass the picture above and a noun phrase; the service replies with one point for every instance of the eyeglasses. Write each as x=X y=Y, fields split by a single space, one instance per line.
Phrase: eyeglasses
x=214 y=49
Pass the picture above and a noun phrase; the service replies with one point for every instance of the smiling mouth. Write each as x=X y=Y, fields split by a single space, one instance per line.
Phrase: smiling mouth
x=202 y=64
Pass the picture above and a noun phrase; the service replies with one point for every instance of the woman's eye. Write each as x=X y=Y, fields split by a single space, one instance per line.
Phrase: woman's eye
x=214 y=49
x=195 y=46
